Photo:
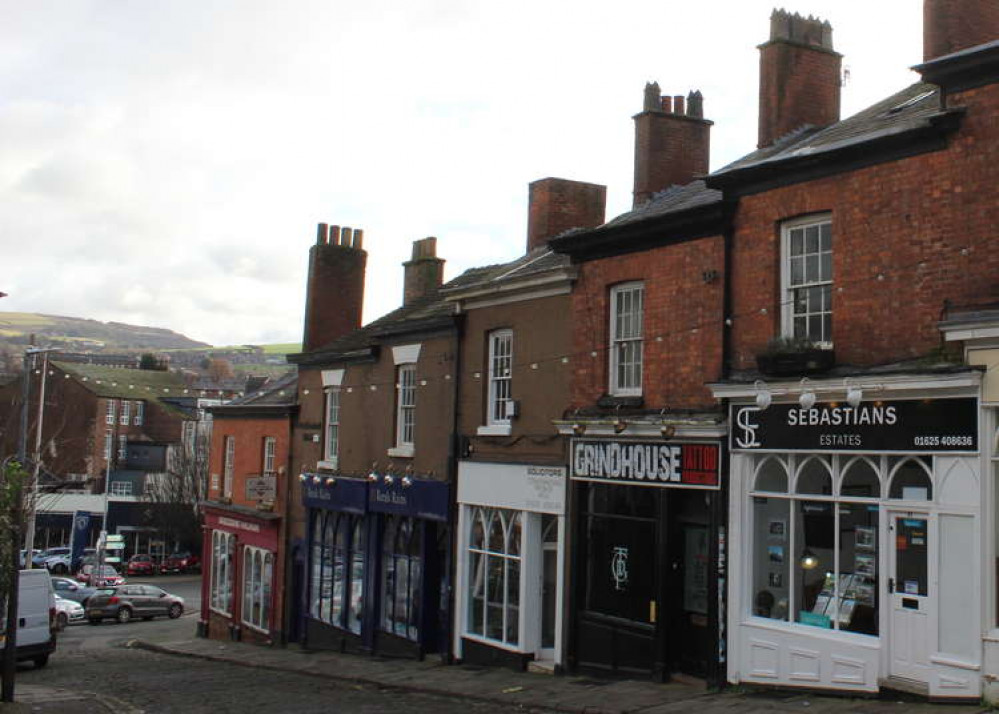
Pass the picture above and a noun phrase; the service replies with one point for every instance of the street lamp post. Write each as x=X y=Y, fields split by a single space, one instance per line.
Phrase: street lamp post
x=29 y=538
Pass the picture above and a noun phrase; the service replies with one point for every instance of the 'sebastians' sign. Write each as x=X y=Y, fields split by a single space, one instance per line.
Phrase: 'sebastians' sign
x=918 y=425
x=651 y=463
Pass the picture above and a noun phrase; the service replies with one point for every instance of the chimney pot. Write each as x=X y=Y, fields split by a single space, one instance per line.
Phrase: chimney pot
x=651 y=103
x=322 y=234
x=358 y=240
x=671 y=147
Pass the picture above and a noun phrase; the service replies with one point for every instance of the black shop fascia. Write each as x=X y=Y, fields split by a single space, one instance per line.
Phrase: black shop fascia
x=648 y=515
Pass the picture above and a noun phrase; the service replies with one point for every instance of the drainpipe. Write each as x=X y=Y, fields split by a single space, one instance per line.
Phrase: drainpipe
x=454 y=452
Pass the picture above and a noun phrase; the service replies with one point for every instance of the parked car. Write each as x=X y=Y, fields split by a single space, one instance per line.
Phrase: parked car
x=36 y=612
x=34 y=552
x=141 y=564
x=60 y=564
x=72 y=590
x=67 y=612
x=124 y=602
x=38 y=560
x=181 y=562
x=99 y=575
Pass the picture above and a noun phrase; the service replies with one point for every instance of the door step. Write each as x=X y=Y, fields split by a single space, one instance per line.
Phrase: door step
x=909 y=686
x=541 y=667
x=688 y=680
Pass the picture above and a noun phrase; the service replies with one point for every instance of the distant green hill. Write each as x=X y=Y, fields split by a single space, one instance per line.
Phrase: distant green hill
x=83 y=335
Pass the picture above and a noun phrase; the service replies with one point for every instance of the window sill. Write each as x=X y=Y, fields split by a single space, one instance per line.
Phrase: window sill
x=493 y=643
x=326 y=465
x=494 y=430
x=402 y=452
x=633 y=401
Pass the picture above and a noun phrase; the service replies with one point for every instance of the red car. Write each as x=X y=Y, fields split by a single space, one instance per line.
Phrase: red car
x=106 y=575
x=182 y=562
x=141 y=564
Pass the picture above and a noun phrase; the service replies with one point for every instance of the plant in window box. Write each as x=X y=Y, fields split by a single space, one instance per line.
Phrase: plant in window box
x=791 y=356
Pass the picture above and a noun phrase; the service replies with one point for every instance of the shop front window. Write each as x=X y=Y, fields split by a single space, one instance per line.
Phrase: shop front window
x=402 y=574
x=257 y=568
x=223 y=551
x=817 y=546
x=494 y=564
x=337 y=586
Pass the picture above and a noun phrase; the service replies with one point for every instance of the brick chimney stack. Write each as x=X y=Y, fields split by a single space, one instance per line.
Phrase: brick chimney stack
x=555 y=205
x=799 y=76
x=424 y=273
x=952 y=25
x=334 y=295
x=672 y=142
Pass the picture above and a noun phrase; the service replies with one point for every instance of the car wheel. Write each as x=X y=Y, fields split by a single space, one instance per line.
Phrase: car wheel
x=175 y=611
x=94 y=620
x=124 y=615
x=61 y=621
x=40 y=661
x=60 y=569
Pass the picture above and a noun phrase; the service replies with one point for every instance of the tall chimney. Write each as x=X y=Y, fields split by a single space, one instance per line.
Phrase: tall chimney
x=334 y=295
x=555 y=205
x=424 y=273
x=672 y=142
x=799 y=76
x=952 y=25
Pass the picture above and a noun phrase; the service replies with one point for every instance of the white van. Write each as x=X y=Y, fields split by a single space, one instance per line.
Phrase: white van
x=36 y=638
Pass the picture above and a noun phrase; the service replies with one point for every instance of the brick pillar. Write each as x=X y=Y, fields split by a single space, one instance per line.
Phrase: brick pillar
x=424 y=273
x=952 y=25
x=335 y=289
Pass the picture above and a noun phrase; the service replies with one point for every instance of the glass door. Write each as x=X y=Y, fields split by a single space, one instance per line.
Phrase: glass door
x=909 y=596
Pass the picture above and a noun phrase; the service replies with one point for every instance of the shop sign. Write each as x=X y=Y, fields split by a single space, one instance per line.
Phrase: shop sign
x=239 y=525
x=649 y=463
x=421 y=499
x=521 y=487
x=342 y=494
x=261 y=488
x=924 y=425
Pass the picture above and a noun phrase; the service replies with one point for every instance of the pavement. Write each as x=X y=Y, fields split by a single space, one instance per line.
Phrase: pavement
x=524 y=691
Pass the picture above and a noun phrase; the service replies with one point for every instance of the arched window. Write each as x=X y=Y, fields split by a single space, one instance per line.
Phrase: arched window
x=860 y=479
x=911 y=481
x=771 y=475
x=814 y=477
x=223 y=550
x=256 y=588
x=494 y=574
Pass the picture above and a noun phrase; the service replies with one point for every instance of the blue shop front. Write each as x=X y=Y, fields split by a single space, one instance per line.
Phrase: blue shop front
x=378 y=554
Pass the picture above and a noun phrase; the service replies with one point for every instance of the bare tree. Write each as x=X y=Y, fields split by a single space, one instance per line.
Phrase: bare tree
x=176 y=494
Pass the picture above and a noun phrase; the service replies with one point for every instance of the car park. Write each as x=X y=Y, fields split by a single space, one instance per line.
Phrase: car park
x=126 y=602
x=181 y=562
x=60 y=564
x=72 y=589
x=38 y=560
x=67 y=612
x=141 y=564
x=99 y=575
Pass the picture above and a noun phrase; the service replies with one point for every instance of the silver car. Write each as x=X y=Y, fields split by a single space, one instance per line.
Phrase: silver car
x=125 y=602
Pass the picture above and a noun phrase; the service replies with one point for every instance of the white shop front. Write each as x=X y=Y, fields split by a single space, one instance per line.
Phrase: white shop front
x=511 y=564
x=856 y=534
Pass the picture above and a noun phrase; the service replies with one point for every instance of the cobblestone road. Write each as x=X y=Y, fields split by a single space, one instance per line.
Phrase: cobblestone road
x=161 y=684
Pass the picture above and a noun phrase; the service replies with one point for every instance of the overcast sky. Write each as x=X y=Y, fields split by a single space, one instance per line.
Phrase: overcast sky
x=166 y=163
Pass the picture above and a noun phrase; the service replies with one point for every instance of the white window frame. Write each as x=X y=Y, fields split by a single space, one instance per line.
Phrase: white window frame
x=122 y=446
x=789 y=284
x=500 y=392
x=626 y=334
x=331 y=434
x=405 y=358
x=111 y=410
x=125 y=414
x=228 y=465
x=258 y=571
x=510 y=558
x=121 y=488
x=223 y=554
x=270 y=452
x=140 y=409
x=108 y=441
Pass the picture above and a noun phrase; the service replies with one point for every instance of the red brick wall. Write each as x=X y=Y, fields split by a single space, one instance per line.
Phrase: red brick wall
x=670 y=149
x=556 y=205
x=249 y=435
x=680 y=307
x=335 y=288
x=952 y=25
x=798 y=85
x=926 y=224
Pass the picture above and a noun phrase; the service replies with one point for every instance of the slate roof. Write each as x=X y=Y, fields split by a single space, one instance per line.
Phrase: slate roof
x=120 y=383
x=913 y=107
x=540 y=260
x=276 y=393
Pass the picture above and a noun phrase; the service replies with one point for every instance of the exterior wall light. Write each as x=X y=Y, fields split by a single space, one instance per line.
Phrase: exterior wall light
x=807 y=398
x=763 y=395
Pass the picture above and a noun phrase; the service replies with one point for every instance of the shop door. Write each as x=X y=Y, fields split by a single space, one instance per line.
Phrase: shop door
x=909 y=597
x=687 y=634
